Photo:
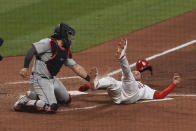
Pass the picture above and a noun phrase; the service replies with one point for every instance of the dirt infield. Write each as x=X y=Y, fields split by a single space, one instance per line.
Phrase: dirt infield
x=178 y=114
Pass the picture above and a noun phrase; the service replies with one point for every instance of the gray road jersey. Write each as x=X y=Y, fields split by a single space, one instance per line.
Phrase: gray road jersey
x=43 y=51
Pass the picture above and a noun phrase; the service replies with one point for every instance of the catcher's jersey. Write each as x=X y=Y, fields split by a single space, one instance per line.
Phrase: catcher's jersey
x=42 y=48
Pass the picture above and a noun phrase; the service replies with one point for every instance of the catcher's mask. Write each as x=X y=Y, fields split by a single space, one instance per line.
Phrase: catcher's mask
x=143 y=65
x=62 y=31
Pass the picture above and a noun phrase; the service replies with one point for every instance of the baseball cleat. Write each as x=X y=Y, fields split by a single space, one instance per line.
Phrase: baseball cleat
x=21 y=102
x=93 y=75
x=121 y=50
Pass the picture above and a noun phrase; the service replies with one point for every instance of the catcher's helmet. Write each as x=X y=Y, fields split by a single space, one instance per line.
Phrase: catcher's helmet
x=1 y=41
x=62 y=30
x=143 y=65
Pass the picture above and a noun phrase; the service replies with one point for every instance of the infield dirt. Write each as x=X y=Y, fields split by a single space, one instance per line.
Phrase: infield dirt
x=178 y=114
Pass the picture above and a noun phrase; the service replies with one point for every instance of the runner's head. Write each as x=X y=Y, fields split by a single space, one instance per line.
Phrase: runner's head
x=137 y=75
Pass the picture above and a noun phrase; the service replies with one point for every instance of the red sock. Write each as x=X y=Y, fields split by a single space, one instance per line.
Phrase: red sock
x=164 y=93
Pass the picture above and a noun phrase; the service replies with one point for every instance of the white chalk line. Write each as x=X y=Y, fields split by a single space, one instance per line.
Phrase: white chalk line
x=112 y=73
x=115 y=72
x=95 y=106
x=119 y=70
x=80 y=108
x=75 y=93
x=105 y=93
x=157 y=55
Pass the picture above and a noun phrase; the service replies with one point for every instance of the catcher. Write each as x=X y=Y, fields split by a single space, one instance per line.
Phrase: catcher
x=51 y=54
x=129 y=89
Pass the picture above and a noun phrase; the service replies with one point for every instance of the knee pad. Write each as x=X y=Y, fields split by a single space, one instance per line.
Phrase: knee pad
x=65 y=102
x=35 y=106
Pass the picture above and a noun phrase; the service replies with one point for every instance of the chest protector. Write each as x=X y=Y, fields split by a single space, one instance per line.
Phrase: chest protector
x=59 y=56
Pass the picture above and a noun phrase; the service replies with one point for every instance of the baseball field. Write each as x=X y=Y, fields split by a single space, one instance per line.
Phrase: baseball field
x=164 y=32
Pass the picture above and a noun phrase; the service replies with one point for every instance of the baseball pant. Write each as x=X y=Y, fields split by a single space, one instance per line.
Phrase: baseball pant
x=45 y=95
x=125 y=91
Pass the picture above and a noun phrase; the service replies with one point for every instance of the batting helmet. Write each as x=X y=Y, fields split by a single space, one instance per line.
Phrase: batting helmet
x=143 y=65
x=62 y=30
x=1 y=41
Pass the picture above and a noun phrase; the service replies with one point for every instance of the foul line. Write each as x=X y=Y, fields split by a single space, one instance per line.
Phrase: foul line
x=75 y=93
x=80 y=108
x=119 y=70
x=95 y=106
x=158 y=55
x=105 y=93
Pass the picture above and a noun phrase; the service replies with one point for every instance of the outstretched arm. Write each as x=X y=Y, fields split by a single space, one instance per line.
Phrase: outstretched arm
x=27 y=60
x=80 y=71
x=165 y=92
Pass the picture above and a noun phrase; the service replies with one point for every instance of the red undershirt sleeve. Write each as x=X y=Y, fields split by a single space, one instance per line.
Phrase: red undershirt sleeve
x=164 y=93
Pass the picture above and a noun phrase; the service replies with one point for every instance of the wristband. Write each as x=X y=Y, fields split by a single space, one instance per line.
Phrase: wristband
x=87 y=78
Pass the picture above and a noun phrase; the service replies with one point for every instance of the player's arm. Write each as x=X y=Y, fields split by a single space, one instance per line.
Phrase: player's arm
x=37 y=48
x=78 y=69
x=28 y=58
x=165 y=92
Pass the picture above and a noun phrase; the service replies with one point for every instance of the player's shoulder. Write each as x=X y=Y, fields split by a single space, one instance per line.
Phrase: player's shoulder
x=42 y=46
x=42 y=42
x=45 y=40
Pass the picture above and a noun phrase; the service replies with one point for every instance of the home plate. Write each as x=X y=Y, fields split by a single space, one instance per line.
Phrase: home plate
x=74 y=93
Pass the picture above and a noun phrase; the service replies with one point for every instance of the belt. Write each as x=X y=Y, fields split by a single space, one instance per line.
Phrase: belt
x=45 y=77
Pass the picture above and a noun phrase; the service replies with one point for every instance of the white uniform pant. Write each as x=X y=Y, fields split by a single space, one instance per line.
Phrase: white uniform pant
x=124 y=91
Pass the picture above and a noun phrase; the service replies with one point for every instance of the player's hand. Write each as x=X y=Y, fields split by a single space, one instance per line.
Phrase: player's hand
x=176 y=78
x=24 y=72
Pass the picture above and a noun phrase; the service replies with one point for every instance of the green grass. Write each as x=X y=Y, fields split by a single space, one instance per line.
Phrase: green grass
x=23 y=22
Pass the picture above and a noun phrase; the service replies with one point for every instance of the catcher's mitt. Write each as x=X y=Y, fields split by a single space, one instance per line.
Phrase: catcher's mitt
x=84 y=87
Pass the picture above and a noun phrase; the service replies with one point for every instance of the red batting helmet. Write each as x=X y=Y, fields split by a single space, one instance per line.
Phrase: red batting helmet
x=143 y=65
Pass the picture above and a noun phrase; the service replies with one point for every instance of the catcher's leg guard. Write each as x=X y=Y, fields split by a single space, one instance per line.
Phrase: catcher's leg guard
x=35 y=106
x=40 y=106
x=53 y=107
x=26 y=105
